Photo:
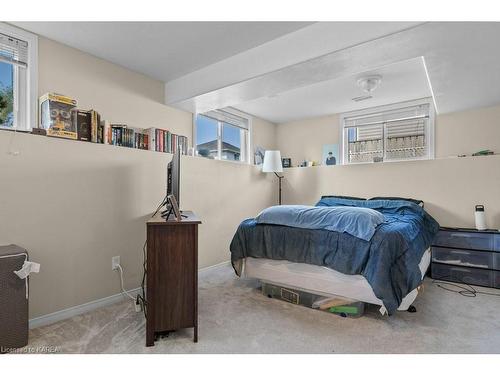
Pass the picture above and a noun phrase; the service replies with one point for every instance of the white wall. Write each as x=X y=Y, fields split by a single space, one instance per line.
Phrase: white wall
x=74 y=205
x=455 y=134
x=450 y=187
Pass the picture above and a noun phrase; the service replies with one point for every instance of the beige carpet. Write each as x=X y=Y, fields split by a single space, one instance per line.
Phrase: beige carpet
x=235 y=317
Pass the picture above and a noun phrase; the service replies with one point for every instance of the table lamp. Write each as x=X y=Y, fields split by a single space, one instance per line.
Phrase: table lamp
x=272 y=163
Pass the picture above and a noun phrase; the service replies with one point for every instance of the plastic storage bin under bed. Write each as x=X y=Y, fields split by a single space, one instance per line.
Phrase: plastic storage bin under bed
x=332 y=304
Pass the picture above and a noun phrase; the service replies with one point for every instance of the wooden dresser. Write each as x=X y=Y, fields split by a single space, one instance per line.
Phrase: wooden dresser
x=172 y=275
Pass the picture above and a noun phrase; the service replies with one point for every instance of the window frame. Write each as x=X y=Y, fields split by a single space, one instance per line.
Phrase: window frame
x=220 y=125
x=388 y=108
x=27 y=110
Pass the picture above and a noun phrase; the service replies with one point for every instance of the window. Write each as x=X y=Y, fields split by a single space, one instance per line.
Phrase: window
x=400 y=132
x=18 y=78
x=223 y=135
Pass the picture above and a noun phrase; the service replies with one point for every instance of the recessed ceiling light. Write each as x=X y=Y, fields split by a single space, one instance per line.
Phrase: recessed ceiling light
x=369 y=83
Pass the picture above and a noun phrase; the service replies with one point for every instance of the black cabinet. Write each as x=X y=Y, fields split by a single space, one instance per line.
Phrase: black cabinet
x=467 y=256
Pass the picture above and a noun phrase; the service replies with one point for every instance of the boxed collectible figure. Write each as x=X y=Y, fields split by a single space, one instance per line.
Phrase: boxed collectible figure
x=55 y=115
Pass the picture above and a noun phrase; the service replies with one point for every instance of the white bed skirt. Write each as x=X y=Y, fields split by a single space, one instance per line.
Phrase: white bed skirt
x=322 y=280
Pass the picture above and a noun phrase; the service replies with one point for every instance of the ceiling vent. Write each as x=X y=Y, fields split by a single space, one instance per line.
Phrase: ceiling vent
x=361 y=98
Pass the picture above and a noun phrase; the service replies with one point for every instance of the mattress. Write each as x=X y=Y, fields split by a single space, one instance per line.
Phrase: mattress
x=322 y=280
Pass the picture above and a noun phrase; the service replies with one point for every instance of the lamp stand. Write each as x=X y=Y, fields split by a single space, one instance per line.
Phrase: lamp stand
x=279 y=179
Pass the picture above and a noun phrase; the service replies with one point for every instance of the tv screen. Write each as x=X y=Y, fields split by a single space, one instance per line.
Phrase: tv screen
x=174 y=177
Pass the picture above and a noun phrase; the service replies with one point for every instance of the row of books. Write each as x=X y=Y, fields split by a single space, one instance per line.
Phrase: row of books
x=121 y=135
x=164 y=141
x=60 y=117
x=90 y=127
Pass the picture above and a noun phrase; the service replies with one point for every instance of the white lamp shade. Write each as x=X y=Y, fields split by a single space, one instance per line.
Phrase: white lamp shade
x=272 y=162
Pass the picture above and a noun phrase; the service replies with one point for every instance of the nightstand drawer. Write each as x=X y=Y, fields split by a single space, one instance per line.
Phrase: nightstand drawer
x=496 y=261
x=461 y=257
x=466 y=240
x=473 y=276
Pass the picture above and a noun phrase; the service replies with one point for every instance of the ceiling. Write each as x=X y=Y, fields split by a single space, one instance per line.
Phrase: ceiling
x=401 y=82
x=287 y=71
x=461 y=62
x=162 y=50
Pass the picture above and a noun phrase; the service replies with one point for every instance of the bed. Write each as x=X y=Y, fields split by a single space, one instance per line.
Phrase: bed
x=322 y=249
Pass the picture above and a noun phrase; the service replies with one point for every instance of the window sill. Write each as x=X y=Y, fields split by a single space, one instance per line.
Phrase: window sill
x=224 y=160
x=9 y=128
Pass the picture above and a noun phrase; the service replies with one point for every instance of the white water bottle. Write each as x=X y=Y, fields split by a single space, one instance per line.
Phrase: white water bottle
x=480 y=218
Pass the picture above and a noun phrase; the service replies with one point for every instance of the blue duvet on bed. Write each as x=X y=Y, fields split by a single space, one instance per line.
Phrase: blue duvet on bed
x=358 y=221
x=389 y=260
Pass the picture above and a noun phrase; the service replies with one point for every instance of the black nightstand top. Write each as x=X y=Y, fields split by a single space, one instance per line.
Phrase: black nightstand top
x=472 y=230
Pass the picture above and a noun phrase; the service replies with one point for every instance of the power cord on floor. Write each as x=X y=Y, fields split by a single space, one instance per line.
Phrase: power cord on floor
x=142 y=297
x=463 y=289
x=124 y=292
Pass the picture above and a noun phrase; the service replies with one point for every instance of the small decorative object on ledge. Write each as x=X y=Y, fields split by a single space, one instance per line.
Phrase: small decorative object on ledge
x=286 y=162
x=259 y=155
x=330 y=154
x=55 y=115
x=38 y=131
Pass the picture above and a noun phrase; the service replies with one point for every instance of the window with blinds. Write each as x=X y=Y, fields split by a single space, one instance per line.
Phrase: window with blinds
x=223 y=135
x=18 y=94
x=13 y=51
x=388 y=135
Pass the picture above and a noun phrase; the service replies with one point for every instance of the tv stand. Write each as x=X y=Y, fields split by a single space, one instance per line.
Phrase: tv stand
x=172 y=275
x=166 y=214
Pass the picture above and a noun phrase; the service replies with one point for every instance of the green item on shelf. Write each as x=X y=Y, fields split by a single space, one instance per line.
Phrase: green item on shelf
x=483 y=152
x=344 y=309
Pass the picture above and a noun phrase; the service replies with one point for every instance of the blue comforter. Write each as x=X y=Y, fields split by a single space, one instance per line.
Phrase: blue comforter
x=389 y=260
x=358 y=221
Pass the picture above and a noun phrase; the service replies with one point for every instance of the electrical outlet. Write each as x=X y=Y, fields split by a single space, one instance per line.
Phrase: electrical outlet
x=115 y=262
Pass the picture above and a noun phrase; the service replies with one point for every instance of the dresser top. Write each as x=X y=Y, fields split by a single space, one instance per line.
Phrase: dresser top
x=469 y=230
x=189 y=220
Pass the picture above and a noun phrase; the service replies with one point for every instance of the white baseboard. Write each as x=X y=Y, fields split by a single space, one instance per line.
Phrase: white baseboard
x=214 y=266
x=77 y=310
x=92 y=305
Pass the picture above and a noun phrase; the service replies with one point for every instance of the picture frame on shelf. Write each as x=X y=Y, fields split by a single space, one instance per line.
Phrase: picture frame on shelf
x=330 y=154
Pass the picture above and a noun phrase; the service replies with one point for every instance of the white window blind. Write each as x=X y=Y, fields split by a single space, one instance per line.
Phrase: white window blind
x=13 y=50
x=397 y=134
x=228 y=118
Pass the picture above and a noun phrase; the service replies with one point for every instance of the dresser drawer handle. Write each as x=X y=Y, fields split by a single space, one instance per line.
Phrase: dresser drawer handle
x=461 y=235
x=460 y=252
x=460 y=269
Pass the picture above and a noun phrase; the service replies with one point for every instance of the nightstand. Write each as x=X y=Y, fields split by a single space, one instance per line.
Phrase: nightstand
x=467 y=256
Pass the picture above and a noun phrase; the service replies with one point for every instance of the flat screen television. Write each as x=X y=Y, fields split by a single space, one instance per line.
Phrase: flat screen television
x=174 y=177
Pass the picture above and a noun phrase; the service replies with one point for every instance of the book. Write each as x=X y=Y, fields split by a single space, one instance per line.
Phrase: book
x=82 y=120
x=117 y=134
x=107 y=135
x=96 y=133
x=151 y=133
